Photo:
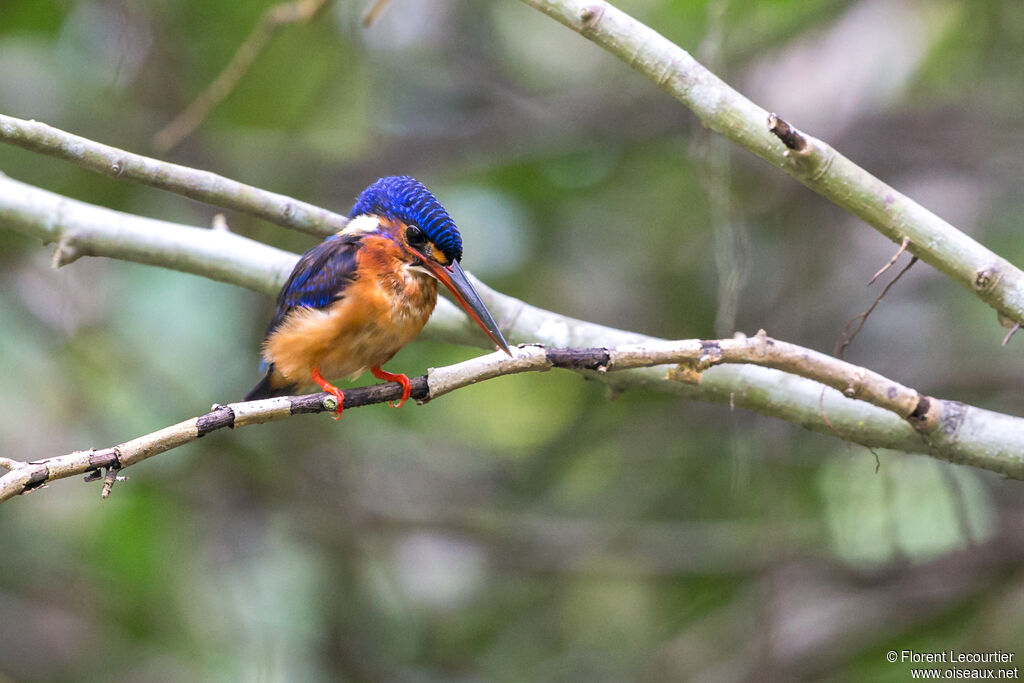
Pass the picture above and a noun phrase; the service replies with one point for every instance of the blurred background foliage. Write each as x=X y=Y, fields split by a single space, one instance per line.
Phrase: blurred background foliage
x=526 y=528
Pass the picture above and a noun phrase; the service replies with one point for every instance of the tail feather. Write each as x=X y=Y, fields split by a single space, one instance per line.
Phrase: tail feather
x=266 y=388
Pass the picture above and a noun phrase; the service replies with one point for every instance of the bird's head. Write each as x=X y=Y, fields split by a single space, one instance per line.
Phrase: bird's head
x=425 y=232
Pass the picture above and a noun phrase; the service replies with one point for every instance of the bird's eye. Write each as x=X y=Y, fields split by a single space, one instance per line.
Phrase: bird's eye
x=415 y=237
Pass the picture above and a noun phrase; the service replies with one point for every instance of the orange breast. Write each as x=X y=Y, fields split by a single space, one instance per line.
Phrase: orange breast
x=381 y=311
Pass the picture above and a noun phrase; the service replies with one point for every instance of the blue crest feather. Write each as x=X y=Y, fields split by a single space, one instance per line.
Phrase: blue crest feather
x=408 y=200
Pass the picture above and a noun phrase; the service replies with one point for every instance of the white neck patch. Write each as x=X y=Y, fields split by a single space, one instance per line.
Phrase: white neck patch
x=361 y=225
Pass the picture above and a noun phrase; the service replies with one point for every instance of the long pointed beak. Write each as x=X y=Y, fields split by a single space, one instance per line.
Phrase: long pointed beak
x=454 y=278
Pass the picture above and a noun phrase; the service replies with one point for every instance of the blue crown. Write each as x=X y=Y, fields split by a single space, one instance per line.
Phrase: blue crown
x=408 y=200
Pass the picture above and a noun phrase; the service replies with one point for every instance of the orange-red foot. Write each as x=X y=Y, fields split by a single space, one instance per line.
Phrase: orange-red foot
x=392 y=377
x=330 y=389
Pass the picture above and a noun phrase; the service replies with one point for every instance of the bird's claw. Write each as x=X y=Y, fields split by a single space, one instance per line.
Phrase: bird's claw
x=330 y=389
x=402 y=379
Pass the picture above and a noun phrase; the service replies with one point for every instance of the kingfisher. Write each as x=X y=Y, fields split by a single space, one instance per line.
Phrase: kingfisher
x=355 y=299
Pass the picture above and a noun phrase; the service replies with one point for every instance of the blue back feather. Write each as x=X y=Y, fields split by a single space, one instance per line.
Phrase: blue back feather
x=320 y=277
x=408 y=200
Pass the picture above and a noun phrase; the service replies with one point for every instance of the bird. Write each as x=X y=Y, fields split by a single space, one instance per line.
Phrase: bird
x=354 y=300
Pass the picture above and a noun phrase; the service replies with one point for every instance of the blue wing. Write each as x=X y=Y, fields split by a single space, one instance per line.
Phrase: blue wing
x=319 y=278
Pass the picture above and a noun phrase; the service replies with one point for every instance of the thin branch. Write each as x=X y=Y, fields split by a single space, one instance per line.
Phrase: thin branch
x=927 y=415
x=81 y=229
x=29 y=476
x=199 y=185
x=1009 y=335
x=988 y=276
x=891 y=262
x=968 y=434
x=997 y=281
x=183 y=125
x=847 y=337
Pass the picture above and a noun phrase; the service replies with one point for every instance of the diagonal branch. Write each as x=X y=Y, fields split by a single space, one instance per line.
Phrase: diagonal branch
x=961 y=433
x=988 y=276
x=932 y=418
x=202 y=186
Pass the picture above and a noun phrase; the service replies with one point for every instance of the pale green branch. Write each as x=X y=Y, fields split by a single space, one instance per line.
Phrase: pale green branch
x=946 y=429
x=202 y=186
x=988 y=276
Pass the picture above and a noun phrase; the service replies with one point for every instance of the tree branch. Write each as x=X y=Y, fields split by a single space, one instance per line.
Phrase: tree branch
x=202 y=186
x=937 y=421
x=961 y=433
x=81 y=229
x=988 y=276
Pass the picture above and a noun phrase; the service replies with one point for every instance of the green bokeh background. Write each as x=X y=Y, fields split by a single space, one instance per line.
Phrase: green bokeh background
x=528 y=528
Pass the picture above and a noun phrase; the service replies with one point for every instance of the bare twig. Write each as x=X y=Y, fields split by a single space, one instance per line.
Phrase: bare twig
x=892 y=261
x=299 y=11
x=847 y=337
x=936 y=420
x=1009 y=335
x=109 y=479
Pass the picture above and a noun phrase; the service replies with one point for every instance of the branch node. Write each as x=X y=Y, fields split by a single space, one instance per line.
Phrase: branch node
x=925 y=415
x=37 y=480
x=710 y=354
x=116 y=168
x=986 y=278
x=590 y=16
x=10 y=464
x=220 y=223
x=789 y=136
x=65 y=253
x=108 y=481
x=329 y=403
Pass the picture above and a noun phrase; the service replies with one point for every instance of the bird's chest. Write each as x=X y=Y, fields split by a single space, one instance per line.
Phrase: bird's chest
x=381 y=311
x=384 y=311
x=405 y=294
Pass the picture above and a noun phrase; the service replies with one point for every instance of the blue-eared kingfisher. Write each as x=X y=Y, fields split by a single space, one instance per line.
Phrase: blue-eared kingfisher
x=359 y=296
